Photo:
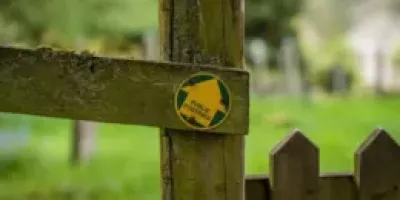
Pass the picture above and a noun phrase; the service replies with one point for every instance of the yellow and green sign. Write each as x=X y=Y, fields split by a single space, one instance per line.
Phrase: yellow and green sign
x=203 y=101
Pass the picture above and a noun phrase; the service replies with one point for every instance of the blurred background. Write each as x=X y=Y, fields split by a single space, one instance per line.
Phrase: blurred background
x=328 y=67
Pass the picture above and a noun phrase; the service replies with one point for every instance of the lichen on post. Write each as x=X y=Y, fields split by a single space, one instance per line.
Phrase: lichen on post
x=93 y=88
x=197 y=165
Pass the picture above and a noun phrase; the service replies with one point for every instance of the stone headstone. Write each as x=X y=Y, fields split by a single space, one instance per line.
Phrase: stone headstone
x=150 y=42
x=339 y=79
x=15 y=132
x=258 y=52
x=289 y=61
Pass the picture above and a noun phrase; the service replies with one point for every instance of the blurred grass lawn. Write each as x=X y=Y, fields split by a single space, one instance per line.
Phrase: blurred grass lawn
x=126 y=163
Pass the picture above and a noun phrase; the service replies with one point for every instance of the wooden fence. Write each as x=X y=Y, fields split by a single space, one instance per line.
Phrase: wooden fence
x=203 y=36
x=294 y=172
x=200 y=162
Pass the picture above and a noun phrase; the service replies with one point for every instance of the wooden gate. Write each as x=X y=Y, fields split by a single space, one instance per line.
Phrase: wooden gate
x=202 y=155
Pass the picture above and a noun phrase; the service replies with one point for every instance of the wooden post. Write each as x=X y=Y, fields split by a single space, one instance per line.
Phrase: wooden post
x=199 y=165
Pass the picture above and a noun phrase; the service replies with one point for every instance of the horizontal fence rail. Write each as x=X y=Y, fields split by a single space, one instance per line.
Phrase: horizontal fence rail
x=294 y=172
x=63 y=84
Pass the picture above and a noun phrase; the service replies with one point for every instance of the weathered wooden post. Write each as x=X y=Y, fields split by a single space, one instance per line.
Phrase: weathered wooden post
x=198 y=165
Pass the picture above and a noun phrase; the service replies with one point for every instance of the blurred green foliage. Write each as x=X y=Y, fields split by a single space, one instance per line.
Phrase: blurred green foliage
x=272 y=20
x=329 y=18
x=395 y=57
x=67 y=22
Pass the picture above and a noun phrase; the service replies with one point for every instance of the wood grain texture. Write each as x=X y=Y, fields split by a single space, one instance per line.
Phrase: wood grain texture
x=85 y=87
x=197 y=165
x=339 y=186
x=295 y=169
x=377 y=165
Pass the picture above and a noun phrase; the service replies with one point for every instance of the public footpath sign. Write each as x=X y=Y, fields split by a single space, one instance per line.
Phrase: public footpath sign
x=203 y=101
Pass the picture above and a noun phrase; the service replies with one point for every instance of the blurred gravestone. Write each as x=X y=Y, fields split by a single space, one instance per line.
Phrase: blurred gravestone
x=258 y=54
x=289 y=62
x=15 y=132
x=150 y=42
x=379 y=82
x=339 y=79
x=83 y=141
x=336 y=79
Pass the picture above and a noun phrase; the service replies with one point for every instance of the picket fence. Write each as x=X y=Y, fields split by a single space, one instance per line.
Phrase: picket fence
x=294 y=172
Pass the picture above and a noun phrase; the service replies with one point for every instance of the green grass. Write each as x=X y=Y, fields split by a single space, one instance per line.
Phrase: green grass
x=126 y=164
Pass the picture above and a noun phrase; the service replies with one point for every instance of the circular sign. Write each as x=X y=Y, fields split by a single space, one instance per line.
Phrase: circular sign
x=202 y=101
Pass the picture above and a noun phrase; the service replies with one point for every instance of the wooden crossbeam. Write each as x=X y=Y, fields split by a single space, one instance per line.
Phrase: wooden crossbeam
x=62 y=84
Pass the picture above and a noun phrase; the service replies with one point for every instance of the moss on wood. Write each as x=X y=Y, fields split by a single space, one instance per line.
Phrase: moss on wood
x=85 y=87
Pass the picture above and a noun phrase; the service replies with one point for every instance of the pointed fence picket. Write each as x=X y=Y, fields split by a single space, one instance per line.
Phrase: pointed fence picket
x=294 y=172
